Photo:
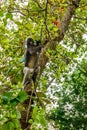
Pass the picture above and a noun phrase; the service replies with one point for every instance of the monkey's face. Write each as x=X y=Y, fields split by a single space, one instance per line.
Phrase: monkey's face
x=30 y=41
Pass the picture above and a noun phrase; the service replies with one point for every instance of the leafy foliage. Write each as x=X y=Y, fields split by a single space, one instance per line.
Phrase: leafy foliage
x=38 y=120
x=71 y=112
x=11 y=117
x=41 y=20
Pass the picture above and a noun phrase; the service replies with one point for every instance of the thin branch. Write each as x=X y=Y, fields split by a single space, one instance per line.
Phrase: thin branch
x=45 y=19
x=29 y=106
x=50 y=82
x=18 y=11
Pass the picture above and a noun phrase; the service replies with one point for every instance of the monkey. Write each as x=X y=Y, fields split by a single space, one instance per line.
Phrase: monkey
x=32 y=53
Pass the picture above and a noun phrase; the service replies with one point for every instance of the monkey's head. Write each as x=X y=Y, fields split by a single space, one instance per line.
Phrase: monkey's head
x=30 y=41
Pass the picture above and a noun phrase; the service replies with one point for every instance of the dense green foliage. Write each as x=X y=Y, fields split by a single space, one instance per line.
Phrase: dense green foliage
x=20 y=19
x=71 y=112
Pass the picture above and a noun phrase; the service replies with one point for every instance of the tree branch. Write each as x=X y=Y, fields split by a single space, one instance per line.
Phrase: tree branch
x=45 y=19
x=64 y=24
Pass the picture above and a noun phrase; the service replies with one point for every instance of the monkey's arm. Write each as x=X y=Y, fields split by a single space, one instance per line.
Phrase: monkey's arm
x=34 y=49
x=27 y=55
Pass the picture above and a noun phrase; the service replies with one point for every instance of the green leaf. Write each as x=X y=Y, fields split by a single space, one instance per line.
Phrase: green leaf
x=4 y=127
x=35 y=111
x=6 y=97
x=9 y=15
x=5 y=21
x=22 y=96
x=55 y=29
x=30 y=121
x=14 y=102
x=10 y=126
x=1 y=14
x=16 y=123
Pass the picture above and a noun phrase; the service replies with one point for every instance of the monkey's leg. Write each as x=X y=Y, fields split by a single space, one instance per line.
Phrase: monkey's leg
x=27 y=75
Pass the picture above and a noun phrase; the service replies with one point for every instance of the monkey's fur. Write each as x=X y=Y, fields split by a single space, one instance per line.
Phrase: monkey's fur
x=31 y=61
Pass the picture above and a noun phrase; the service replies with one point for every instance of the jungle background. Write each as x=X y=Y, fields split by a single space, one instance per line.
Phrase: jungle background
x=61 y=101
